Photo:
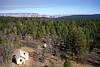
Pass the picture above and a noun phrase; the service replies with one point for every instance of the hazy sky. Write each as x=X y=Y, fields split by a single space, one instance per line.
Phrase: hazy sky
x=51 y=7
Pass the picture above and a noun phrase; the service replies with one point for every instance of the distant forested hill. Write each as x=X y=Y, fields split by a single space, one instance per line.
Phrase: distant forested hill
x=95 y=16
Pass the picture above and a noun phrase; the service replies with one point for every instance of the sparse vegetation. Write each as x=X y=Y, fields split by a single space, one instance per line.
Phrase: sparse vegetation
x=67 y=63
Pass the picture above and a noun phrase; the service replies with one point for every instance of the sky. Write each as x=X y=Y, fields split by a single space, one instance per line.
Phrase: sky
x=51 y=7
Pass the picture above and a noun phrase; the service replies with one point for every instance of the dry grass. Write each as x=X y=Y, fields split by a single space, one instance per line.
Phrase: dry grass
x=74 y=64
x=27 y=49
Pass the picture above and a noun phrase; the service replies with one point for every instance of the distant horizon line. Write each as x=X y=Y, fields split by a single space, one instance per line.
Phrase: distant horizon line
x=50 y=15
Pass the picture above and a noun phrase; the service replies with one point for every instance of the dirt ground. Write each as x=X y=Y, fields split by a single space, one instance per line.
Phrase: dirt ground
x=48 y=61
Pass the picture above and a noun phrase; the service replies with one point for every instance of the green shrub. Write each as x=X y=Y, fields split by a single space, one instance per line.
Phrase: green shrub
x=67 y=63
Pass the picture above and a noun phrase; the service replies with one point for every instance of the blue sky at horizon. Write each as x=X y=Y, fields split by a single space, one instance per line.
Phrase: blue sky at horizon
x=51 y=7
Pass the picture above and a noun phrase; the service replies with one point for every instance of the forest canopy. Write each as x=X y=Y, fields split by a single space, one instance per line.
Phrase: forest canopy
x=76 y=34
